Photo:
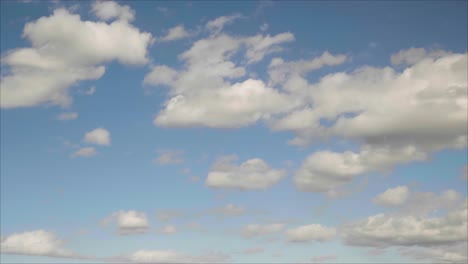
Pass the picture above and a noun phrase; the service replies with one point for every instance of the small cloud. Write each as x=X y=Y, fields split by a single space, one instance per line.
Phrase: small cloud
x=169 y=229
x=169 y=157
x=464 y=175
x=264 y=27
x=254 y=250
x=128 y=222
x=85 y=152
x=98 y=136
x=90 y=91
x=194 y=178
x=176 y=33
x=67 y=116
x=373 y=45
x=163 y=10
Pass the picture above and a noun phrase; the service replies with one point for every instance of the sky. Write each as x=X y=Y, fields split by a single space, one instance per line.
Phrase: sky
x=234 y=131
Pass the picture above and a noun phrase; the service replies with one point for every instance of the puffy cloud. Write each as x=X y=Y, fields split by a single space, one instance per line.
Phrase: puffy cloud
x=160 y=75
x=452 y=254
x=385 y=231
x=98 y=136
x=85 y=152
x=67 y=116
x=176 y=33
x=312 y=232
x=37 y=243
x=172 y=256
x=129 y=222
x=252 y=174
x=430 y=113
x=258 y=46
x=66 y=50
x=393 y=196
x=324 y=171
x=253 y=230
x=107 y=10
x=167 y=157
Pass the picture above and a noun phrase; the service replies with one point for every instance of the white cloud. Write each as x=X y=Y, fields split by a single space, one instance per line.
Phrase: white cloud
x=448 y=254
x=168 y=229
x=66 y=50
x=128 y=222
x=216 y=25
x=264 y=27
x=98 y=136
x=393 y=196
x=230 y=210
x=172 y=256
x=253 y=230
x=38 y=243
x=252 y=174
x=90 y=91
x=324 y=171
x=414 y=55
x=160 y=74
x=67 y=116
x=385 y=231
x=167 y=157
x=85 y=152
x=258 y=46
x=312 y=232
x=175 y=33
x=107 y=10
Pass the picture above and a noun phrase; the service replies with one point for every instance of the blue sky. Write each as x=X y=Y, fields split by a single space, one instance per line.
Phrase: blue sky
x=255 y=132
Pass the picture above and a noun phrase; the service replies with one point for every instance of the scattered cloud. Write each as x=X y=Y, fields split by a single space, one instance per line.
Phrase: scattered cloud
x=128 y=222
x=393 y=196
x=172 y=256
x=312 y=232
x=168 y=229
x=36 y=243
x=169 y=157
x=85 y=152
x=216 y=25
x=253 y=250
x=252 y=174
x=98 y=136
x=175 y=33
x=67 y=116
x=254 y=230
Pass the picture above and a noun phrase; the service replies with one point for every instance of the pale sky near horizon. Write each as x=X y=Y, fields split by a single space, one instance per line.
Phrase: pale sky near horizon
x=233 y=131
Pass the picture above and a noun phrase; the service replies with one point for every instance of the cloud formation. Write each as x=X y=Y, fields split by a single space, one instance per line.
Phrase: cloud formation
x=129 y=222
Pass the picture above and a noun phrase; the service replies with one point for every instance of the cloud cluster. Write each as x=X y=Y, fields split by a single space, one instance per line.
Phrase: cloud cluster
x=251 y=174
x=65 y=50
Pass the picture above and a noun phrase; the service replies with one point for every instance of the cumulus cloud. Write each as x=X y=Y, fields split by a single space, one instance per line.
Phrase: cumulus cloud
x=98 y=136
x=414 y=55
x=167 y=157
x=85 y=152
x=216 y=25
x=175 y=33
x=128 y=222
x=37 y=243
x=251 y=174
x=393 y=196
x=312 y=232
x=107 y=10
x=324 y=171
x=67 y=116
x=254 y=230
x=172 y=256
x=258 y=46
x=65 y=50
x=385 y=231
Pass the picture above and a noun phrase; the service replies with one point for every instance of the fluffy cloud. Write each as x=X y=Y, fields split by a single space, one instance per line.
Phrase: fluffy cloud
x=67 y=116
x=129 y=222
x=216 y=25
x=393 y=197
x=313 y=232
x=38 y=243
x=175 y=33
x=385 y=231
x=66 y=50
x=167 y=157
x=85 y=152
x=204 y=93
x=253 y=230
x=430 y=113
x=414 y=55
x=252 y=174
x=172 y=256
x=324 y=171
x=98 y=136
x=107 y=10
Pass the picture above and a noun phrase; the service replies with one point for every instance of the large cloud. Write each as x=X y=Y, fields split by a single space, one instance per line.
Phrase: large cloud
x=66 y=50
x=38 y=243
x=251 y=174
